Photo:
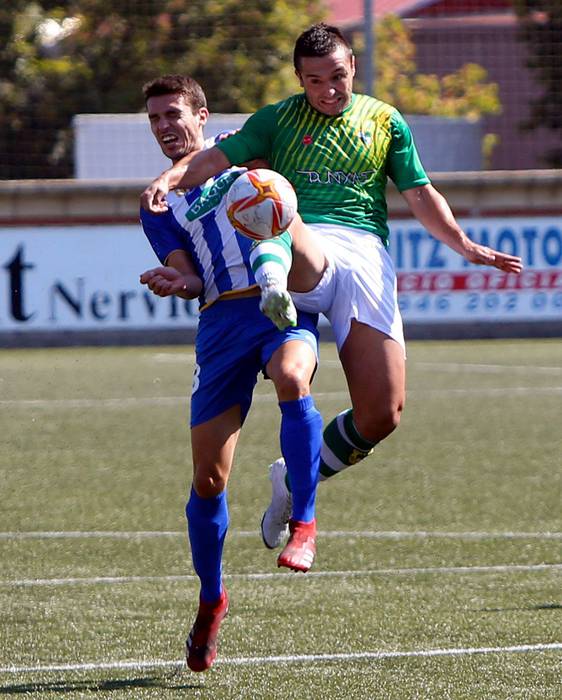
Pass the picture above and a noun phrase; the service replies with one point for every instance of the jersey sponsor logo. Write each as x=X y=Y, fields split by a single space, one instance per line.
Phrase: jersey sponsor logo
x=337 y=177
x=211 y=196
x=366 y=137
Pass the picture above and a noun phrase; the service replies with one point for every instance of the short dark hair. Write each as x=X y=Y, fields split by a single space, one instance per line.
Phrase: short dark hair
x=319 y=40
x=176 y=85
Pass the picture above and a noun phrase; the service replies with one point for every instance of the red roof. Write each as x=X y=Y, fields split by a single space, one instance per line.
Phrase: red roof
x=350 y=12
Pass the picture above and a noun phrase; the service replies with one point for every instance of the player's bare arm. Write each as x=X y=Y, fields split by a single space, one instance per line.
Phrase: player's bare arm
x=431 y=209
x=178 y=277
x=190 y=171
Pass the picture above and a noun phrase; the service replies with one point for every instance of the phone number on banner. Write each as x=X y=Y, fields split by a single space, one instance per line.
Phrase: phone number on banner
x=480 y=295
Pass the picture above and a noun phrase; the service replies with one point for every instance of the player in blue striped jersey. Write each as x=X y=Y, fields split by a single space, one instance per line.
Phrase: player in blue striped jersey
x=197 y=220
x=202 y=256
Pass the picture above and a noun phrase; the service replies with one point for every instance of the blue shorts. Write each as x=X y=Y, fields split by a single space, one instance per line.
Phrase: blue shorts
x=234 y=343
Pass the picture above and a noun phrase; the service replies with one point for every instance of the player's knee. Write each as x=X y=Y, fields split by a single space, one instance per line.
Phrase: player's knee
x=392 y=418
x=293 y=384
x=379 y=422
x=208 y=485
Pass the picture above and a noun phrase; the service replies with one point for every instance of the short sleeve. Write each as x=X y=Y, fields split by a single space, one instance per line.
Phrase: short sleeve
x=254 y=138
x=403 y=165
x=163 y=232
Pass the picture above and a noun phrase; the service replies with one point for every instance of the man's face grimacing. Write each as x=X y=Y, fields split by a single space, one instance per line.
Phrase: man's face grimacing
x=176 y=128
x=328 y=80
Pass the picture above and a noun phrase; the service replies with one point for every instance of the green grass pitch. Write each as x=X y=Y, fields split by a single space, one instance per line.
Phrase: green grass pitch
x=439 y=566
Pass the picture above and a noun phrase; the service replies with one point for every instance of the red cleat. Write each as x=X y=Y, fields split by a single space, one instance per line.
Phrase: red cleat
x=201 y=644
x=299 y=551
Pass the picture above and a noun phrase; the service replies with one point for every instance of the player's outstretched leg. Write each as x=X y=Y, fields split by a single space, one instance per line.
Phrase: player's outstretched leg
x=275 y=521
x=271 y=262
x=299 y=552
x=201 y=644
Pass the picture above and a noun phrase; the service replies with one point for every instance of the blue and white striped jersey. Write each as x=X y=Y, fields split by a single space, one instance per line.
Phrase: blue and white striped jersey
x=196 y=221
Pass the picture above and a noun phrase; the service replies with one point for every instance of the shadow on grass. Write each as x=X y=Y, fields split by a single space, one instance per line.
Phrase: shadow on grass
x=541 y=606
x=168 y=682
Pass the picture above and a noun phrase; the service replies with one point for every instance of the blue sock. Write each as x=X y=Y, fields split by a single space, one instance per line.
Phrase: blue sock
x=301 y=439
x=207 y=523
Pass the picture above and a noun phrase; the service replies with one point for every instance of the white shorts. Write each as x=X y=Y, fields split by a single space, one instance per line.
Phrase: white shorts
x=359 y=283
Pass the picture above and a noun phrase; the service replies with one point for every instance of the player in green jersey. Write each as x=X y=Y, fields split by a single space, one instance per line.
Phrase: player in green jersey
x=338 y=148
x=339 y=165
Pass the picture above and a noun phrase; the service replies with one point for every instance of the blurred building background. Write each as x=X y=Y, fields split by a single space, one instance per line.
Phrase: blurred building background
x=520 y=54
x=492 y=65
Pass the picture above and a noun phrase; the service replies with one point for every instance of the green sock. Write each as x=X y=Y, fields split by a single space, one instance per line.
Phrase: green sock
x=342 y=446
x=271 y=261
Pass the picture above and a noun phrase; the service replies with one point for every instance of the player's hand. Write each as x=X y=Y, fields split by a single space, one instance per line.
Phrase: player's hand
x=153 y=199
x=164 y=281
x=482 y=255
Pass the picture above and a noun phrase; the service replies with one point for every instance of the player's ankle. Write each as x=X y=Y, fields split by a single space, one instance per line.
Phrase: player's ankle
x=272 y=281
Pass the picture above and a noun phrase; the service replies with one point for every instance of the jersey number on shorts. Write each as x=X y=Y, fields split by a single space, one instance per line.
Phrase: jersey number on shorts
x=195 y=384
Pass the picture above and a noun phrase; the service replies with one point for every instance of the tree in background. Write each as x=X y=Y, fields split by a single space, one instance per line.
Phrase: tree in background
x=60 y=58
x=464 y=93
x=38 y=82
x=541 y=29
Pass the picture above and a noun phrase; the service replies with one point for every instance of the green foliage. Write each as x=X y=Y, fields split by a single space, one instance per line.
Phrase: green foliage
x=244 y=51
x=464 y=93
x=489 y=142
x=541 y=29
x=60 y=58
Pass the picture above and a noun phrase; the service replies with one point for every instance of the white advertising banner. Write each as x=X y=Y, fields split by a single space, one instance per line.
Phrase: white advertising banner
x=435 y=284
x=82 y=278
x=87 y=277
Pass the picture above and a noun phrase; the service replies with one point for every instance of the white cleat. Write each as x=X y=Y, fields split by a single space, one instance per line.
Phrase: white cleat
x=277 y=305
x=275 y=521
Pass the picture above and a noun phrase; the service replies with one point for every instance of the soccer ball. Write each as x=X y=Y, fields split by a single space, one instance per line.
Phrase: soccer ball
x=261 y=204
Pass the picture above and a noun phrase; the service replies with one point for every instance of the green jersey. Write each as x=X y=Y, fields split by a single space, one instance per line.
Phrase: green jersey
x=337 y=165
